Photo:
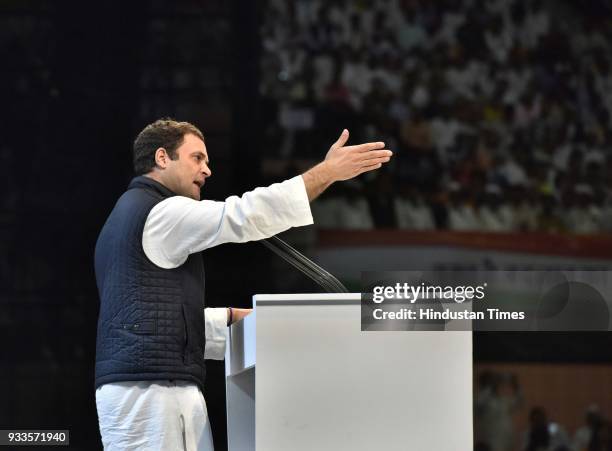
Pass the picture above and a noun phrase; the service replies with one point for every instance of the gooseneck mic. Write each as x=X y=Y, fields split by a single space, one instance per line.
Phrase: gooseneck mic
x=306 y=266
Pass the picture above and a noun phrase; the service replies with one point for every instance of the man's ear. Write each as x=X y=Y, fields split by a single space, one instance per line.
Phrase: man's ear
x=161 y=158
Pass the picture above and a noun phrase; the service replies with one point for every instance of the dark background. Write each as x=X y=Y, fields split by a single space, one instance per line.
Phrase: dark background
x=79 y=81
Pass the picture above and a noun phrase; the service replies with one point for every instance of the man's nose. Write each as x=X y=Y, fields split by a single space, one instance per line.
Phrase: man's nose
x=206 y=170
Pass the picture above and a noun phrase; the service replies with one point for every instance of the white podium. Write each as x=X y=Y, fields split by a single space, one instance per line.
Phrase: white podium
x=322 y=384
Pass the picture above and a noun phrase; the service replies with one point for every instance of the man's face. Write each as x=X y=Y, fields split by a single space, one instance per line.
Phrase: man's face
x=186 y=175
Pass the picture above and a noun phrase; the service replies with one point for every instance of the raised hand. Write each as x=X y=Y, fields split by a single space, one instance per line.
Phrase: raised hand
x=343 y=163
x=346 y=162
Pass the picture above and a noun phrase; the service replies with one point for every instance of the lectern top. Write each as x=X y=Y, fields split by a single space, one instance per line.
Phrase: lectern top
x=307 y=299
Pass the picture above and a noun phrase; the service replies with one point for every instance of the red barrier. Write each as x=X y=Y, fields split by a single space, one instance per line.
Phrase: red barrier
x=586 y=246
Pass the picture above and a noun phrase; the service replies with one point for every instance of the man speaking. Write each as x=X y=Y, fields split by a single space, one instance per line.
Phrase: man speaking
x=153 y=331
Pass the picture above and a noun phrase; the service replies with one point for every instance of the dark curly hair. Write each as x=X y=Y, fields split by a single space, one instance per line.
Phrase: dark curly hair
x=166 y=133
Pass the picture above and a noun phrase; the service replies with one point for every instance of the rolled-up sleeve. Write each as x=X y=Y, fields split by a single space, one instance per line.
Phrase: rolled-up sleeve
x=215 y=326
x=179 y=226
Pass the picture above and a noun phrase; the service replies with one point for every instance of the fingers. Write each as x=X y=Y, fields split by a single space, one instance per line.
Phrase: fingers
x=369 y=168
x=372 y=164
x=374 y=161
x=367 y=147
x=373 y=154
x=344 y=136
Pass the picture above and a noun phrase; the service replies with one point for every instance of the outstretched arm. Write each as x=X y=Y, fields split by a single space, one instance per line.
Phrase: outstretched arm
x=179 y=226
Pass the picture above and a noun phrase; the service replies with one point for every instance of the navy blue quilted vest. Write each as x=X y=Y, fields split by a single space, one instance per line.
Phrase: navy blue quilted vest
x=151 y=322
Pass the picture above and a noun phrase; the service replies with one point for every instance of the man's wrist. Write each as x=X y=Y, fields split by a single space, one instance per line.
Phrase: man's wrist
x=326 y=172
x=318 y=179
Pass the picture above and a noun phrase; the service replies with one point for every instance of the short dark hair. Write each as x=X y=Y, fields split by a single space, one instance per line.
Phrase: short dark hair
x=167 y=133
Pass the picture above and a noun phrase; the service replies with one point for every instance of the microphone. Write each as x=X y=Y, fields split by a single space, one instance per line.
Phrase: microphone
x=303 y=264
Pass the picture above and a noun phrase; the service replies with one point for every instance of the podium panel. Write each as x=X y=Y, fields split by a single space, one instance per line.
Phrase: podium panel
x=321 y=383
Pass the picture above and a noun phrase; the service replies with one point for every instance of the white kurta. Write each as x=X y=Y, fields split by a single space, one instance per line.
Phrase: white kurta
x=161 y=415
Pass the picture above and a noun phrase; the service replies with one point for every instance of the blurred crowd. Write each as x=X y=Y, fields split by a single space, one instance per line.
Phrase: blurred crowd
x=499 y=111
x=499 y=397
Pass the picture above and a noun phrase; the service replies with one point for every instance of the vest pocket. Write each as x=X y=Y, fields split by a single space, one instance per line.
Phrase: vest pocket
x=146 y=327
x=128 y=345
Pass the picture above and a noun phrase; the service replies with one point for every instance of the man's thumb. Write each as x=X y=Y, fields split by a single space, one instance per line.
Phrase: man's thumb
x=342 y=139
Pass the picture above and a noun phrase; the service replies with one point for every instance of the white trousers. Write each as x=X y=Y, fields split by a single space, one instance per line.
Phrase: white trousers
x=153 y=415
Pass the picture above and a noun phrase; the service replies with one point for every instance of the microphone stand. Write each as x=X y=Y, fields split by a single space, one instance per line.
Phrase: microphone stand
x=303 y=264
